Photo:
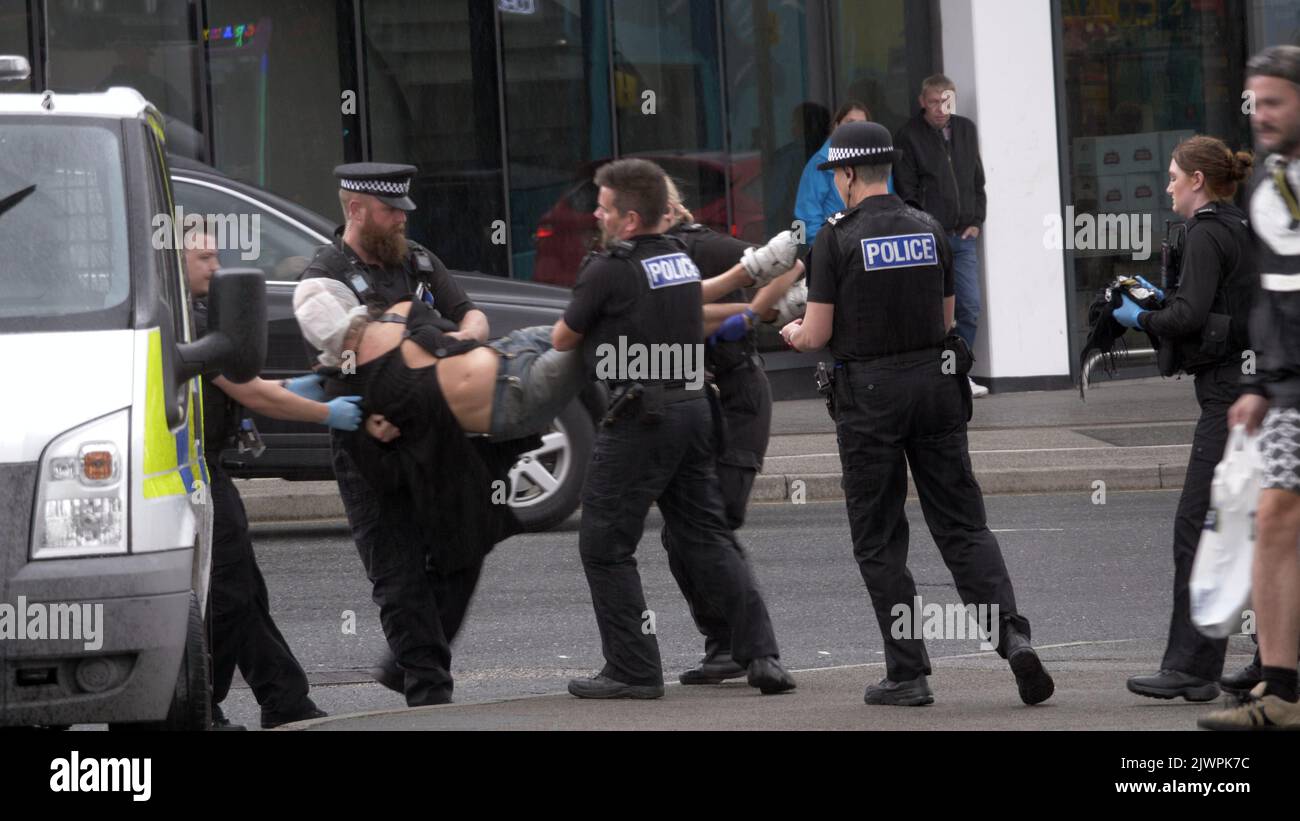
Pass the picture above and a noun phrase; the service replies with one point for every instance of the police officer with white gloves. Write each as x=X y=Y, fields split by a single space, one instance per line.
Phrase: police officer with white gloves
x=656 y=446
x=880 y=294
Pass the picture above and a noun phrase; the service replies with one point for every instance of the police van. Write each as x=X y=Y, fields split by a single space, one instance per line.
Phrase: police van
x=105 y=525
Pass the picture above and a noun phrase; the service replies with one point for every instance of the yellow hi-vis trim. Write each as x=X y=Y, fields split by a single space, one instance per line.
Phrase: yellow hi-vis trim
x=159 y=443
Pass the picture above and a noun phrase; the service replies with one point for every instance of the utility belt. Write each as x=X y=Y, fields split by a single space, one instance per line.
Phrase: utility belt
x=953 y=358
x=646 y=402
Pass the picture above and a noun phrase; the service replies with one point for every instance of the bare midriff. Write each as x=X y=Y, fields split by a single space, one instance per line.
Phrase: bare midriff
x=467 y=381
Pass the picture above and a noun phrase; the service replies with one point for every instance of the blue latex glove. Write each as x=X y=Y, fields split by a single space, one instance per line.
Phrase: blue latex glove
x=733 y=328
x=345 y=413
x=1128 y=313
x=1159 y=292
x=308 y=387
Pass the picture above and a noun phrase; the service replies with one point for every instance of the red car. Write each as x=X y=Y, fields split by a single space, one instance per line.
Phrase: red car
x=568 y=230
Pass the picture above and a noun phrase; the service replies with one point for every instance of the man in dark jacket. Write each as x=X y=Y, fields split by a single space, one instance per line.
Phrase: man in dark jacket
x=939 y=171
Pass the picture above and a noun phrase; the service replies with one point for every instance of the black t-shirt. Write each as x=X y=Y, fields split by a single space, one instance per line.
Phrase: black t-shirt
x=646 y=292
x=886 y=267
x=445 y=481
x=714 y=253
x=221 y=414
x=391 y=285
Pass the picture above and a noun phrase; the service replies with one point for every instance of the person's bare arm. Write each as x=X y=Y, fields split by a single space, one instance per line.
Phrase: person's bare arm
x=765 y=300
x=813 y=331
x=564 y=338
x=273 y=400
x=715 y=288
x=763 y=305
x=949 y=311
x=474 y=325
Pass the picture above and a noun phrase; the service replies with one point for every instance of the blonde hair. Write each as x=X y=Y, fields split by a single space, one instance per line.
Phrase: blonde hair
x=676 y=208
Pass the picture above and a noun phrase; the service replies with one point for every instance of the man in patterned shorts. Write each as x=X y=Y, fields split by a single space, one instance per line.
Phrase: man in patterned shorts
x=1272 y=395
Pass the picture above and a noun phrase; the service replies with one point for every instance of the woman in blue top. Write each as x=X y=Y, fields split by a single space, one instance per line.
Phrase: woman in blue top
x=817 y=198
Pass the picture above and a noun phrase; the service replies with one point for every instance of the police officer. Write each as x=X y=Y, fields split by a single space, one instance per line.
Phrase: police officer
x=880 y=293
x=1202 y=330
x=746 y=397
x=657 y=445
x=420 y=608
x=243 y=632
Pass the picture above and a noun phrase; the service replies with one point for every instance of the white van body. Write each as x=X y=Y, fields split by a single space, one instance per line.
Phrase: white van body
x=105 y=524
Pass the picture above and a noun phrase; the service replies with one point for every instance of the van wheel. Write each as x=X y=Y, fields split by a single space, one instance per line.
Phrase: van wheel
x=191 y=707
x=546 y=484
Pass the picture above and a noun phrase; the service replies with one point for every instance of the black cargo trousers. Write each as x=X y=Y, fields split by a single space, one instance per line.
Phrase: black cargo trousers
x=1188 y=651
x=746 y=400
x=421 y=609
x=669 y=463
x=243 y=633
x=903 y=411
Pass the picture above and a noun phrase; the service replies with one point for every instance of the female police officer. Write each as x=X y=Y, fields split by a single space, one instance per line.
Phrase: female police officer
x=746 y=397
x=1203 y=323
x=880 y=293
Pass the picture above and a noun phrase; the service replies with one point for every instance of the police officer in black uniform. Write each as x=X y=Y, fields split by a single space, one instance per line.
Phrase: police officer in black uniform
x=735 y=368
x=1203 y=331
x=243 y=633
x=420 y=608
x=657 y=446
x=880 y=292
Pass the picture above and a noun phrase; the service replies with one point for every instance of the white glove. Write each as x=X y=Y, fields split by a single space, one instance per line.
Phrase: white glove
x=793 y=303
x=769 y=262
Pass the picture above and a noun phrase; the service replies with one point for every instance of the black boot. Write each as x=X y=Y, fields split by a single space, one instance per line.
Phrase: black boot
x=1172 y=684
x=1244 y=680
x=914 y=693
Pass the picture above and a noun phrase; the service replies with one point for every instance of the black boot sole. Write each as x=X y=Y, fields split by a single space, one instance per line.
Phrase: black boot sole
x=1035 y=685
x=698 y=676
x=1202 y=693
x=635 y=691
x=892 y=700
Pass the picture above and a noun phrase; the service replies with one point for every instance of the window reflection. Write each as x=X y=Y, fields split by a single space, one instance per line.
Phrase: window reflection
x=432 y=100
x=1137 y=80
x=555 y=65
x=14 y=40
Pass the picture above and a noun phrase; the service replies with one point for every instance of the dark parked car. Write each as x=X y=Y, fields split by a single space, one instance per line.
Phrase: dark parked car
x=545 y=483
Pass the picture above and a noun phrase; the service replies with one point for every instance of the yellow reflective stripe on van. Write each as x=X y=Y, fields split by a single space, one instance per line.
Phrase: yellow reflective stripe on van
x=159 y=443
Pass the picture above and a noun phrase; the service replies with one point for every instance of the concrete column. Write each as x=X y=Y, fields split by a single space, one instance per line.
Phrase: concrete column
x=1000 y=56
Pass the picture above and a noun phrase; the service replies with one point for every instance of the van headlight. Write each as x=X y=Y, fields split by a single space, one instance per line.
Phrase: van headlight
x=81 y=497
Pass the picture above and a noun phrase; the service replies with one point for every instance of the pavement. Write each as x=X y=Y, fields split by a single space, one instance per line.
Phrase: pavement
x=972 y=692
x=1132 y=434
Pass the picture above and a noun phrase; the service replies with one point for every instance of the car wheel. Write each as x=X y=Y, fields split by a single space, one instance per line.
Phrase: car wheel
x=546 y=484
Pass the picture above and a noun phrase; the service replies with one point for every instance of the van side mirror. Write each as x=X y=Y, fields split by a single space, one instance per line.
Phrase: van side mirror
x=235 y=344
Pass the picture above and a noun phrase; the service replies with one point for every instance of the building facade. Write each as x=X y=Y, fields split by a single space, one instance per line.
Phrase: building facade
x=507 y=107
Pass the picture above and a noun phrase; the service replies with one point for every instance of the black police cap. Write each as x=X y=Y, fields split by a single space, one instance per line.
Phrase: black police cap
x=860 y=144
x=390 y=183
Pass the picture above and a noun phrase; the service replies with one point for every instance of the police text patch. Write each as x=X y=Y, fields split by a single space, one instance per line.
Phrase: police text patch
x=901 y=251
x=670 y=269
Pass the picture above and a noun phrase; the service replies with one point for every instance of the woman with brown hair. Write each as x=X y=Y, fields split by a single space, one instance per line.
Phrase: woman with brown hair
x=817 y=198
x=1203 y=322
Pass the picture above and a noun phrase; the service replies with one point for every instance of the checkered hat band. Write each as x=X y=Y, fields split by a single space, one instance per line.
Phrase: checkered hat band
x=385 y=187
x=837 y=154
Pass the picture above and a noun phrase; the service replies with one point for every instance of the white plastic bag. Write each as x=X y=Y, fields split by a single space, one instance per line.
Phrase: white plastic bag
x=1220 y=582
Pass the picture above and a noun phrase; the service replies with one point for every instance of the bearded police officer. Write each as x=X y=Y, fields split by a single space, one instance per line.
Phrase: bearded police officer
x=657 y=444
x=881 y=294
x=420 y=608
